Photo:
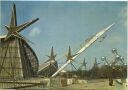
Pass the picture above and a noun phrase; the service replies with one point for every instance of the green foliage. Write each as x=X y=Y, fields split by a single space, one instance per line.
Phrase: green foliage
x=119 y=71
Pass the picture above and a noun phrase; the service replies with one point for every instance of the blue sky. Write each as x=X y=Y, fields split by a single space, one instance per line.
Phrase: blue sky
x=70 y=23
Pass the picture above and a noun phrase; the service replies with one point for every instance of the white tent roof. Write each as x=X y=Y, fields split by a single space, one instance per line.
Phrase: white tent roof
x=63 y=71
x=45 y=65
x=3 y=36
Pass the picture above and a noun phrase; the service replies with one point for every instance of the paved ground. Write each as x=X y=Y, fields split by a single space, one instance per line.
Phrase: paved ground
x=91 y=85
x=99 y=84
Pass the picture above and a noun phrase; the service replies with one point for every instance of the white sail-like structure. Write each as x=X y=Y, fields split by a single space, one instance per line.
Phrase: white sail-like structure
x=3 y=36
x=89 y=43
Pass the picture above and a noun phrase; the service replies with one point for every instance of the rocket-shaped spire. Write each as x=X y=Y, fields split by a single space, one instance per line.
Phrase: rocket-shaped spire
x=13 y=21
x=13 y=29
x=69 y=51
x=84 y=63
x=52 y=52
x=96 y=63
x=69 y=55
x=52 y=57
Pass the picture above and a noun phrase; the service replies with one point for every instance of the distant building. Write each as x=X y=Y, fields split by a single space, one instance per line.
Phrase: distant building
x=48 y=68
x=17 y=59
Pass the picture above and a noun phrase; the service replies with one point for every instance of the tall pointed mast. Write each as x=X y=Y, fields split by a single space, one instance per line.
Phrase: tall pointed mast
x=95 y=62
x=69 y=56
x=84 y=63
x=13 y=21
x=52 y=56
x=52 y=52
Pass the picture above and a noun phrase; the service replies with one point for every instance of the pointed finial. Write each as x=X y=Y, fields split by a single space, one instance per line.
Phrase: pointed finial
x=69 y=51
x=14 y=6
x=69 y=56
x=13 y=21
x=52 y=56
x=95 y=61
x=52 y=52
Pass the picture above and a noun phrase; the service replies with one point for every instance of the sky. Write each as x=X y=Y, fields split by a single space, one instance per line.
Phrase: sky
x=70 y=23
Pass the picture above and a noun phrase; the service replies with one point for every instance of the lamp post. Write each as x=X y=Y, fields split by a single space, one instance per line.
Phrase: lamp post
x=109 y=70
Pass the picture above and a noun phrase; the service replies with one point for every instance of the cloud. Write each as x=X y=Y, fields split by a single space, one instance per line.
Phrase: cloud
x=117 y=39
x=124 y=13
x=34 y=32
